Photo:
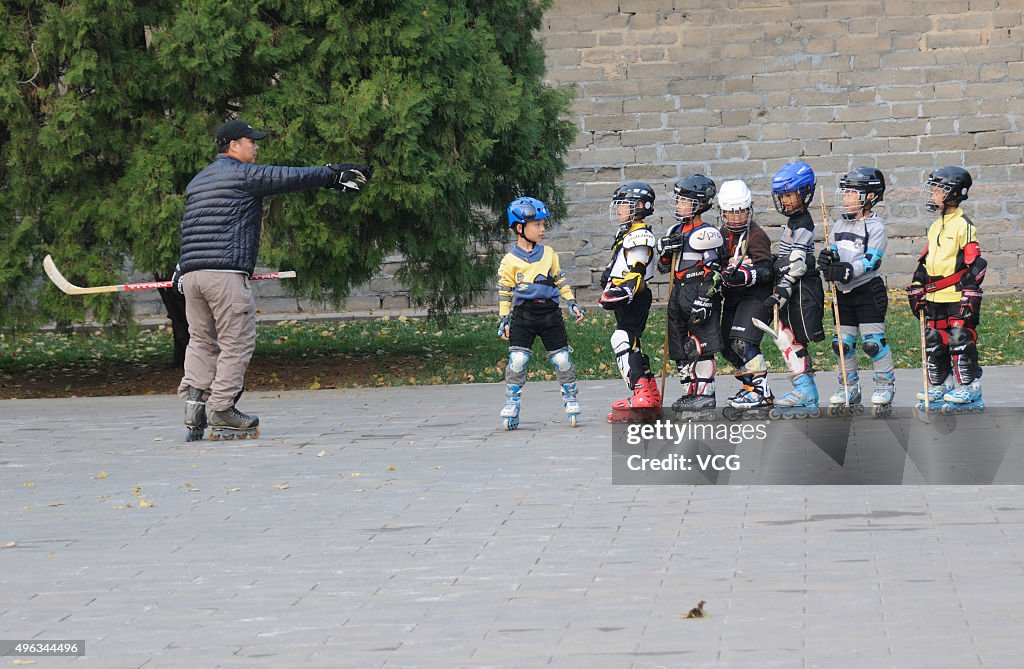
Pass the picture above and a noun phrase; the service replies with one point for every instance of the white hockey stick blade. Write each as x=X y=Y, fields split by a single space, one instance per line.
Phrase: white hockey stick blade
x=58 y=279
x=765 y=328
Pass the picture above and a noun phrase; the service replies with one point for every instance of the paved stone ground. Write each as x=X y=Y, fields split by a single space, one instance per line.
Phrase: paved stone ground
x=399 y=528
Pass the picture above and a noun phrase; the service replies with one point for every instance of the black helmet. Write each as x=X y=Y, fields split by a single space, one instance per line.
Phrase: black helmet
x=639 y=195
x=955 y=181
x=698 y=188
x=868 y=182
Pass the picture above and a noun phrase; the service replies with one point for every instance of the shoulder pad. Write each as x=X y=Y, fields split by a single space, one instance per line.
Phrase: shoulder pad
x=706 y=238
x=641 y=237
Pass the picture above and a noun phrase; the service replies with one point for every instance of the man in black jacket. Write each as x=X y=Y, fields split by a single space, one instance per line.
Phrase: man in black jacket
x=220 y=237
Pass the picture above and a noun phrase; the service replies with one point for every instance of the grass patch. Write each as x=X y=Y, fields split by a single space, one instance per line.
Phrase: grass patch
x=401 y=351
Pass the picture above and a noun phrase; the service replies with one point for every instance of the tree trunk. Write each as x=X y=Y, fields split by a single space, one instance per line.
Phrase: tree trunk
x=174 y=302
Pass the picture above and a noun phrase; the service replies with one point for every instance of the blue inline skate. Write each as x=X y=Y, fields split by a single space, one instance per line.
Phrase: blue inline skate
x=801 y=402
x=510 y=412
x=885 y=391
x=963 y=399
x=572 y=405
x=935 y=396
x=851 y=392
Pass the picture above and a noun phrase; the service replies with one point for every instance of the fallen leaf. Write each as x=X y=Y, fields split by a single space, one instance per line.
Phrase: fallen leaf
x=356 y=474
x=321 y=454
x=391 y=468
x=315 y=385
x=233 y=489
x=143 y=504
x=10 y=544
x=281 y=486
x=101 y=475
x=30 y=484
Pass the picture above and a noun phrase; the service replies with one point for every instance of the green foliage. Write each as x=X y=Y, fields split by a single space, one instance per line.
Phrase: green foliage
x=108 y=107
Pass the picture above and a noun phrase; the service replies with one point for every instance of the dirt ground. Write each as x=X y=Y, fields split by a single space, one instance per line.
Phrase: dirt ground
x=265 y=373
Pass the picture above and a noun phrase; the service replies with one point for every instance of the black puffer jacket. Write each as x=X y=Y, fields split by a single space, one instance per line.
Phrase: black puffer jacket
x=223 y=205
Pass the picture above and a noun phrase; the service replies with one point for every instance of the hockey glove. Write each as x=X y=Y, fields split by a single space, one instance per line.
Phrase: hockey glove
x=827 y=257
x=701 y=311
x=348 y=176
x=176 y=280
x=616 y=296
x=779 y=297
x=669 y=244
x=739 y=276
x=503 y=327
x=970 y=304
x=916 y=298
x=838 y=271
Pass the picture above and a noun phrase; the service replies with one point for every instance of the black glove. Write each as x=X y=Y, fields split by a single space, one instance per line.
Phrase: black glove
x=916 y=298
x=779 y=297
x=670 y=244
x=838 y=271
x=348 y=176
x=615 y=296
x=176 y=280
x=827 y=257
x=970 y=304
x=739 y=276
x=701 y=311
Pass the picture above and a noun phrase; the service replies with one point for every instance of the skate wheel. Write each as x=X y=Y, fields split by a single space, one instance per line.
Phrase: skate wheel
x=229 y=437
x=214 y=436
x=774 y=414
x=255 y=434
x=816 y=413
x=730 y=413
x=508 y=425
x=574 y=420
x=881 y=410
x=834 y=411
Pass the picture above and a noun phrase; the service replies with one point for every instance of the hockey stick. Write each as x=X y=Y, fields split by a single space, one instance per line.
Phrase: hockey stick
x=664 y=348
x=925 y=418
x=835 y=315
x=71 y=289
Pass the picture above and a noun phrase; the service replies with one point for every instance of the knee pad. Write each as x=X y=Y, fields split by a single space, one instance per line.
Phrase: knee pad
x=849 y=344
x=518 y=359
x=561 y=360
x=935 y=342
x=961 y=338
x=692 y=349
x=743 y=351
x=875 y=346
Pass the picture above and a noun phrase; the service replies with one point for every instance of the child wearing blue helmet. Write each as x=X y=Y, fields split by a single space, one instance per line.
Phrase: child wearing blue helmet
x=798 y=292
x=530 y=283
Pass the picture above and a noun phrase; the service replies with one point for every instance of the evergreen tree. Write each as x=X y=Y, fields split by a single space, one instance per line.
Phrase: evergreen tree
x=108 y=107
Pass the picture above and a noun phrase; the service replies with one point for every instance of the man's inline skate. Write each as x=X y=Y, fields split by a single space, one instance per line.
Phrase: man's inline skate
x=849 y=393
x=195 y=414
x=754 y=401
x=801 y=402
x=233 y=424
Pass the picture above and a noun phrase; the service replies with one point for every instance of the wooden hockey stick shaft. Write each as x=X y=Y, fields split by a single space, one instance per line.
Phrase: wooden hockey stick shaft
x=835 y=315
x=71 y=289
x=924 y=363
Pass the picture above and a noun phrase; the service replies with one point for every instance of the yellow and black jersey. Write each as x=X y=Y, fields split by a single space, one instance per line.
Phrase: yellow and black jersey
x=530 y=275
x=952 y=247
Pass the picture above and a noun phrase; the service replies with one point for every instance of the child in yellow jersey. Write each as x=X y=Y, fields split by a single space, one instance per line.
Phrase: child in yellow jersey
x=530 y=283
x=947 y=287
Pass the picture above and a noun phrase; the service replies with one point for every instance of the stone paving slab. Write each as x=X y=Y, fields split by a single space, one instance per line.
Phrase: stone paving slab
x=397 y=527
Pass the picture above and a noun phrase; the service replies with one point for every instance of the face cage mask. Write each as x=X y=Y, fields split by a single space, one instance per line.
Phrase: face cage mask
x=930 y=202
x=616 y=218
x=850 y=212
x=695 y=206
x=734 y=225
x=805 y=195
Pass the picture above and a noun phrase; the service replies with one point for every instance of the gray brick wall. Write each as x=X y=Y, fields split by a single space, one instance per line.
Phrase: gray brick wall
x=737 y=88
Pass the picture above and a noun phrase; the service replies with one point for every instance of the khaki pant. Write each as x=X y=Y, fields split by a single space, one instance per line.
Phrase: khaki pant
x=221 y=315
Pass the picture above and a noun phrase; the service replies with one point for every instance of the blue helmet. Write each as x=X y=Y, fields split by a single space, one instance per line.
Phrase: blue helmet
x=793 y=177
x=526 y=209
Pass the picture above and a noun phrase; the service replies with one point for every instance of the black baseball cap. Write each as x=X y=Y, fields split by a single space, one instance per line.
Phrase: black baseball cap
x=237 y=129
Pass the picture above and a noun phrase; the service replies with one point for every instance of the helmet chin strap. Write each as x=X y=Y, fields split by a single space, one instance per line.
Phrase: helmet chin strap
x=522 y=233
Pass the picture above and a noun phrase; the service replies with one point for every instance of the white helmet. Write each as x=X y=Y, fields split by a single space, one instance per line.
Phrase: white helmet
x=734 y=196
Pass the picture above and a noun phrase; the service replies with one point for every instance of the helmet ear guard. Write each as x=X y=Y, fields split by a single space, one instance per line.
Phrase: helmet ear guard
x=640 y=197
x=955 y=181
x=795 y=177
